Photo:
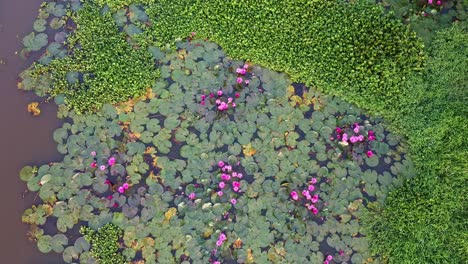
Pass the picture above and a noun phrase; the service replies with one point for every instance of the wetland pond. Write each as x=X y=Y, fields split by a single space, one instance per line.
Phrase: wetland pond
x=221 y=160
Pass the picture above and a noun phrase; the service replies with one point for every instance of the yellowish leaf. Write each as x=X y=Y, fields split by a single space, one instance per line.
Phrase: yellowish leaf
x=33 y=108
x=249 y=150
x=295 y=100
x=125 y=106
x=208 y=233
x=291 y=91
x=250 y=258
x=134 y=135
x=155 y=162
x=149 y=93
x=150 y=150
x=182 y=54
x=169 y=214
x=237 y=243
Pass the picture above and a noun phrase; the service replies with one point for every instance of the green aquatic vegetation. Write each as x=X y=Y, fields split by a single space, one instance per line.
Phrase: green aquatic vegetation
x=101 y=66
x=104 y=243
x=428 y=16
x=423 y=221
x=151 y=167
x=343 y=48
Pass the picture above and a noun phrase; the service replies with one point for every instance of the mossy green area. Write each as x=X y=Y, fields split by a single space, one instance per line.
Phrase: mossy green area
x=165 y=106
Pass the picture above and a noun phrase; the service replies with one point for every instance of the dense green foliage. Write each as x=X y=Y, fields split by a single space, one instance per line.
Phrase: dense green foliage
x=104 y=243
x=349 y=49
x=424 y=18
x=425 y=220
x=103 y=67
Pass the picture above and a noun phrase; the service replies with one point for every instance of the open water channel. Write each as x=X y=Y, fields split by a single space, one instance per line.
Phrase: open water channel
x=24 y=140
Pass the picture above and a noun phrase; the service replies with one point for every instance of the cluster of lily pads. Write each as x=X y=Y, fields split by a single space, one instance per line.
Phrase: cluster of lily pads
x=308 y=200
x=353 y=141
x=165 y=147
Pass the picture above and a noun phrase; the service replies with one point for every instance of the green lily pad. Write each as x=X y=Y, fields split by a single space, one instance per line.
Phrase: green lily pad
x=39 y=25
x=27 y=173
x=33 y=42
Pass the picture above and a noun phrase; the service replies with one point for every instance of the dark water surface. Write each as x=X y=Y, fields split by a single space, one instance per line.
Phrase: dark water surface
x=24 y=140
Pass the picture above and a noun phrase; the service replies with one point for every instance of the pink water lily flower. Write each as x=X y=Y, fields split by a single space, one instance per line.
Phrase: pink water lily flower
x=219 y=243
x=225 y=177
x=111 y=161
x=371 y=137
x=125 y=186
x=240 y=175
x=241 y=71
x=329 y=257
x=192 y=196
x=233 y=105
x=345 y=137
x=221 y=185
x=222 y=237
x=370 y=154
x=93 y=153
x=233 y=201
x=202 y=103
x=356 y=129
x=102 y=167
x=353 y=139
x=315 y=198
x=93 y=164
x=294 y=195
x=246 y=66
x=237 y=95
x=121 y=189
x=247 y=82
x=315 y=211
x=313 y=180
x=220 y=93
x=220 y=163
x=220 y=193
x=429 y=2
x=239 y=80
x=236 y=184
x=203 y=97
x=211 y=95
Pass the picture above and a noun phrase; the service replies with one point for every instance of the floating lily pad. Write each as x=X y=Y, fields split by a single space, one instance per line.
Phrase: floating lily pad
x=33 y=42
x=27 y=173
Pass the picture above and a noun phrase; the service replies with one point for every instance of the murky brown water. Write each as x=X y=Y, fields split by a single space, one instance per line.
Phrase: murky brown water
x=23 y=139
